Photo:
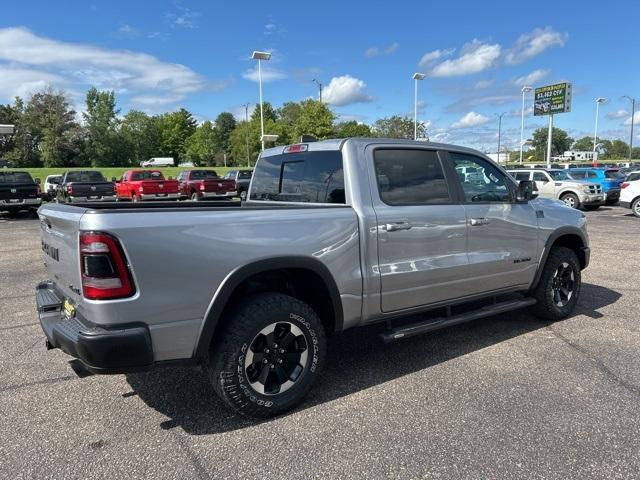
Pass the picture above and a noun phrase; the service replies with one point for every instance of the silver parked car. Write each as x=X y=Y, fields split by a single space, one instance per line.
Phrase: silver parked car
x=333 y=235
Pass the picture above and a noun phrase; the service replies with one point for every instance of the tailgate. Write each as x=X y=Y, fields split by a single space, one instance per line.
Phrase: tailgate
x=18 y=191
x=92 y=189
x=219 y=185
x=59 y=226
x=164 y=186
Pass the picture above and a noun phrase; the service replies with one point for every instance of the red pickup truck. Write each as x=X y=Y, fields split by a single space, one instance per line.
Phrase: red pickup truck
x=205 y=184
x=139 y=185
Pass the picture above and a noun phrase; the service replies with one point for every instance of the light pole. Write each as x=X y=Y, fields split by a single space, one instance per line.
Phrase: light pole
x=525 y=89
x=633 y=113
x=319 y=87
x=499 y=131
x=416 y=77
x=256 y=55
x=599 y=100
x=246 y=136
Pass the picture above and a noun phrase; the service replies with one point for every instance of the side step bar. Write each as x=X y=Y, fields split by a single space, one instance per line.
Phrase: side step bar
x=406 y=331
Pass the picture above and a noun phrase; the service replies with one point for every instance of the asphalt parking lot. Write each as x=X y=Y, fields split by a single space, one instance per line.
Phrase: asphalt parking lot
x=504 y=397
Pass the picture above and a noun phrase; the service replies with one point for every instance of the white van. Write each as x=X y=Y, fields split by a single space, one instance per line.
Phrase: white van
x=158 y=162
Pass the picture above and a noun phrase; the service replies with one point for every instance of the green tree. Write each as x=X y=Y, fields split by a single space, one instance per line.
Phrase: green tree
x=9 y=115
x=353 y=129
x=397 y=126
x=585 y=144
x=176 y=128
x=142 y=135
x=224 y=125
x=560 y=143
x=51 y=124
x=614 y=149
x=104 y=145
x=245 y=133
x=201 y=147
x=315 y=119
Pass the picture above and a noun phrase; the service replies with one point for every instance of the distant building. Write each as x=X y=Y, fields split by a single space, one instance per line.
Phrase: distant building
x=502 y=157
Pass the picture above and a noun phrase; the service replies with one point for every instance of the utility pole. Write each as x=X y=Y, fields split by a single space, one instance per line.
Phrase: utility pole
x=246 y=135
x=319 y=87
x=524 y=90
x=633 y=114
x=549 y=140
x=499 y=132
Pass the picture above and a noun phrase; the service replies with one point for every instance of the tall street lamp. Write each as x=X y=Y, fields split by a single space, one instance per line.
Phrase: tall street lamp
x=416 y=76
x=499 y=131
x=599 y=100
x=525 y=89
x=256 y=55
x=319 y=87
x=633 y=114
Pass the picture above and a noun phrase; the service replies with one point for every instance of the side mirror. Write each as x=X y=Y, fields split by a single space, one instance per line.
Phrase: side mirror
x=526 y=191
x=37 y=180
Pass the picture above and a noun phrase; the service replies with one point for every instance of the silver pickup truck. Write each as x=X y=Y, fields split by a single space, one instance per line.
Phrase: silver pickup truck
x=334 y=235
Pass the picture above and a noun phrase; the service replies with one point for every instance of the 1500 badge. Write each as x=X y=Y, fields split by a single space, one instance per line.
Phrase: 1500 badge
x=51 y=251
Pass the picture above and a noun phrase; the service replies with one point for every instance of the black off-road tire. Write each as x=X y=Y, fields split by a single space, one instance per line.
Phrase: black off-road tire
x=546 y=307
x=226 y=366
x=571 y=200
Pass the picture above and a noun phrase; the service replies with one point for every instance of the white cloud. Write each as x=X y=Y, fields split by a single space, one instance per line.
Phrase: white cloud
x=532 y=78
x=345 y=90
x=482 y=84
x=186 y=18
x=22 y=82
x=67 y=64
x=269 y=74
x=430 y=57
x=474 y=57
x=534 y=43
x=636 y=119
x=617 y=114
x=376 y=52
x=471 y=119
x=238 y=111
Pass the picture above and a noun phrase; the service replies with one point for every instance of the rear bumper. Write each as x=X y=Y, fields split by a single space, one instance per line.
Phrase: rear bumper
x=120 y=349
x=155 y=196
x=19 y=202
x=104 y=198
x=218 y=194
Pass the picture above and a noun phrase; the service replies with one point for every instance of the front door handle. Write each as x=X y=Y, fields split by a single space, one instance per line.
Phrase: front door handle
x=479 y=221
x=393 y=227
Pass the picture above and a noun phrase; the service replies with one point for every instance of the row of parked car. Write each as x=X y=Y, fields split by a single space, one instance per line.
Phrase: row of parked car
x=144 y=185
x=19 y=191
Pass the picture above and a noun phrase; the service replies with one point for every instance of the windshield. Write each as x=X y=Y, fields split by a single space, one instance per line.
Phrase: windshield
x=87 y=176
x=560 y=175
x=15 y=177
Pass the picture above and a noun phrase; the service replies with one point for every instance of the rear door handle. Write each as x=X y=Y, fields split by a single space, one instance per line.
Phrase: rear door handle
x=393 y=227
x=479 y=221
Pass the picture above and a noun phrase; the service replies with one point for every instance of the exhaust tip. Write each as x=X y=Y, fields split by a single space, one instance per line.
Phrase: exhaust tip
x=80 y=369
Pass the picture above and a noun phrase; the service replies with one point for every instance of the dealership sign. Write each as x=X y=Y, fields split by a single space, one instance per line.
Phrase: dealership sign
x=552 y=99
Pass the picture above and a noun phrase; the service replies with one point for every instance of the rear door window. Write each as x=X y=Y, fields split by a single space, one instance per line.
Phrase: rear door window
x=308 y=177
x=410 y=177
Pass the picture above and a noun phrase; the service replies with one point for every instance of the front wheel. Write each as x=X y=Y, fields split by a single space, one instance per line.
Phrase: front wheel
x=559 y=285
x=635 y=207
x=243 y=196
x=268 y=354
x=571 y=200
x=194 y=197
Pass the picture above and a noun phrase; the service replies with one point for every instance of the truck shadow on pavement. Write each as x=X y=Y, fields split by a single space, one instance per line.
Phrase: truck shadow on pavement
x=356 y=360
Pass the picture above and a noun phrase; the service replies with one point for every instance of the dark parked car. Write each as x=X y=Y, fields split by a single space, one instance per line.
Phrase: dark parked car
x=242 y=178
x=204 y=184
x=84 y=186
x=18 y=191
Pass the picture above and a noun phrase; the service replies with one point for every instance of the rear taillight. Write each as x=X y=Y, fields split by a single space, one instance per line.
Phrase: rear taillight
x=140 y=189
x=105 y=273
x=202 y=187
x=70 y=189
x=299 y=147
x=625 y=185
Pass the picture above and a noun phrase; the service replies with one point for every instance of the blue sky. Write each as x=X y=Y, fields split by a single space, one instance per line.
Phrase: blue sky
x=162 y=55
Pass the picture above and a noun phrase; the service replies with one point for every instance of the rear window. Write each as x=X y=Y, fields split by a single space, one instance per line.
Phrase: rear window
x=244 y=175
x=203 y=174
x=309 y=177
x=85 y=177
x=154 y=175
x=15 y=177
x=613 y=174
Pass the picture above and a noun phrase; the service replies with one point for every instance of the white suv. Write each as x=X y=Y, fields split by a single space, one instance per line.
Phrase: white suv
x=630 y=196
x=558 y=184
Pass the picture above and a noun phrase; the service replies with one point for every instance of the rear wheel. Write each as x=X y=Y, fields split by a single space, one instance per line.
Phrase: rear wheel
x=194 y=197
x=243 y=195
x=571 y=200
x=268 y=354
x=134 y=198
x=559 y=285
x=635 y=207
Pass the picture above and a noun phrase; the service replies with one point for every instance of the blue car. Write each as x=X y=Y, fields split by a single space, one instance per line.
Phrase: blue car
x=609 y=179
